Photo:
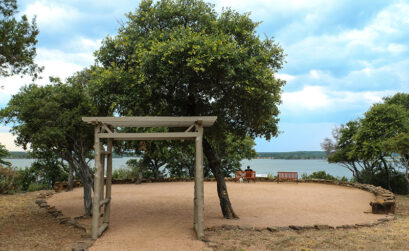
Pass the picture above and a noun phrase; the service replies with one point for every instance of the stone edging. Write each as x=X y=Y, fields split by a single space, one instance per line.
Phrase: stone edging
x=85 y=241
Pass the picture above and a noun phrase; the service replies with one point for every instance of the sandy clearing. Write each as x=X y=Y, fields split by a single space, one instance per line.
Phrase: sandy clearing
x=159 y=216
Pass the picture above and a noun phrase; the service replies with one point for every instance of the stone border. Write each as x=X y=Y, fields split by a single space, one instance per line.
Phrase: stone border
x=85 y=241
x=273 y=229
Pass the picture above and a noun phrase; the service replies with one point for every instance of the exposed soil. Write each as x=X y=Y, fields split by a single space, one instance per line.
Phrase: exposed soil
x=25 y=226
x=159 y=216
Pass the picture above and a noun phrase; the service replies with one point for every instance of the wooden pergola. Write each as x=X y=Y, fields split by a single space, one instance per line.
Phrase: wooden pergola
x=105 y=128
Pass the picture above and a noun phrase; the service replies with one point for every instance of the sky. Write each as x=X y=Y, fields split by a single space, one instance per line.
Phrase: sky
x=342 y=55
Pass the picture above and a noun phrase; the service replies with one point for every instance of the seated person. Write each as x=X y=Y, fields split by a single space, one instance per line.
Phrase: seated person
x=248 y=169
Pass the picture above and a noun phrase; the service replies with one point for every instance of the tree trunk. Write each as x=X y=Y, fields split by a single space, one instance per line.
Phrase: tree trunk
x=140 y=175
x=70 y=177
x=406 y=175
x=387 y=173
x=214 y=163
x=87 y=183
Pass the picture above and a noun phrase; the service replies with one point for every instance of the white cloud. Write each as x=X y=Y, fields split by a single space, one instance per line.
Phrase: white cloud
x=310 y=98
x=57 y=63
x=286 y=77
x=315 y=99
x=51 y=14
x=7 y=139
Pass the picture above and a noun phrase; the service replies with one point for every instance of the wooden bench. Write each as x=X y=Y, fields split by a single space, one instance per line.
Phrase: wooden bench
x=245 y=175
x=287 y=176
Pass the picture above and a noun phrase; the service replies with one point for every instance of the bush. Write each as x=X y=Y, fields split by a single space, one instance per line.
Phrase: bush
x=123 y=173
x=322 y=175
x=38 y=186
x=8 y=180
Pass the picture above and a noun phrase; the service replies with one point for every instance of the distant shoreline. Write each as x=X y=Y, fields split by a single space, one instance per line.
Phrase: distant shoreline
x=260 y=155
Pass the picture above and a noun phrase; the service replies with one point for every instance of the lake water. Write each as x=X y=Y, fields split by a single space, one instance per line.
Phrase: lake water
x=261 y=166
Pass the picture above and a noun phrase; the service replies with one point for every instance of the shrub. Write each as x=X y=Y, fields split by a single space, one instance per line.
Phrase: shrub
x=37 y=186
x=322 y=175
x=123 y=173
x=8 y=180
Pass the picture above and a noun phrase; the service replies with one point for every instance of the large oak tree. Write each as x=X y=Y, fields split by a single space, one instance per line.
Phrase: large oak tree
x=181 y=58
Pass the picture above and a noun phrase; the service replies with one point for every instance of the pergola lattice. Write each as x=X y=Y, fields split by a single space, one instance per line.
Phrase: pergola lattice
x=105 y=128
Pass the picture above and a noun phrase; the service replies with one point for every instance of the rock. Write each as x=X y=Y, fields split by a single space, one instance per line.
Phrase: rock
x=82 y=245
x=43 y=205
x=273 y=229
x=212 y=244
x=346 y=226
x=39 y=201
x=284 y=228
x=245 y=227
x=321 y=227
x=293 y=227
x=229 y=227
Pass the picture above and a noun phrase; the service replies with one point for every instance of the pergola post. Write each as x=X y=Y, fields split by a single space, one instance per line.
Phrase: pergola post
x=107 y=209
x=199 y=187
x=97 y=184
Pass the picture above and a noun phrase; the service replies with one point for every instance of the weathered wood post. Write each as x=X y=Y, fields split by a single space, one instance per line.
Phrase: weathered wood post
x=107 y=209
x=102 y=171
x=199 y=187
x=97 y=184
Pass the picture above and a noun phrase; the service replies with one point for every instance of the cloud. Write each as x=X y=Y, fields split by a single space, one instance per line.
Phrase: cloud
x=7 y=139
x=52 y=15
x=309 y=98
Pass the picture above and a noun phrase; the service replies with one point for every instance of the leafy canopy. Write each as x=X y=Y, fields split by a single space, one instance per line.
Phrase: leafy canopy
x=180 y=58
x=17 y=42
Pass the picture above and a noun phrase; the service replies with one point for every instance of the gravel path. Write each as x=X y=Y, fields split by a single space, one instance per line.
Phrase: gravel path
x=159 y=216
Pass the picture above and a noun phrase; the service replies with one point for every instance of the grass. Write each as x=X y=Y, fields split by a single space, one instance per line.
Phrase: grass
x=24 y=226
x=392 y=235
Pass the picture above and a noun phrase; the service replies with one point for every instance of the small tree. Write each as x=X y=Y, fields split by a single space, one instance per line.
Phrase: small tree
x=48 y=119
x=400 y=144
x=4 y=153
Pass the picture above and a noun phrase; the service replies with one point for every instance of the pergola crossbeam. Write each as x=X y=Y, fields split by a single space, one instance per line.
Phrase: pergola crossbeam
x=149 y=136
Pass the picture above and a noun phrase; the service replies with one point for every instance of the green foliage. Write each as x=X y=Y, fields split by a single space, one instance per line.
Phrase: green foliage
x=180 y=58
x=322 y=175
x=17 y=42
x=123 y=173
x=8 y=180
x=367 y=146
x=4 y=153
x=37 y=186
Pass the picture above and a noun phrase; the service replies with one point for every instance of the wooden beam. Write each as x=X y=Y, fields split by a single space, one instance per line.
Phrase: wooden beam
x=150 y=121
x=199 y=187
x=107 y=209
x=149 y=136
x=97 y=185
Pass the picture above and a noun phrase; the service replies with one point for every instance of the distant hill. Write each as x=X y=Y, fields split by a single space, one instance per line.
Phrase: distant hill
x=260 y=155
x=292 y=155
x=18 y=155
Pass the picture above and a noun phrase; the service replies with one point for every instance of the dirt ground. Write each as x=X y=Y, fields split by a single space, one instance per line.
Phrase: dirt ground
x=24 y=226
x=392 y=235
x=159 y=216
